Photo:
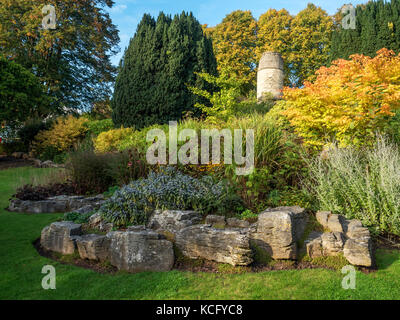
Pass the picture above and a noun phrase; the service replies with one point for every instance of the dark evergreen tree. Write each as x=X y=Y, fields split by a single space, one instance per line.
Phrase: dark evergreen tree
x=377 y=27
x=160 y=61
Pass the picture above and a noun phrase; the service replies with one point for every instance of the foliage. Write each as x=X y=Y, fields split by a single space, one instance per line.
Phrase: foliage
x=377 y=27
x=167 y=189
x=229 y=100
x=111 y=140
x=278 y=160
x=310 y=35
x=101 y=110
x=161 y=59
x=302 y=40
x=361 y=184
x=72 y=61
x=126 y=166
x=77 y=217
x=234 y=41
x=21 y=94
x=30 y=130
x=89 y=171
x=349 y=101
x=64 y=134
x=42 y=192
x=95 y=127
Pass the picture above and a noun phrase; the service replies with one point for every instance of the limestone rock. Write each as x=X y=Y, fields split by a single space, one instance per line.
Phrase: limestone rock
x=237 y=223
x=93 y=247
x=97 y=222
x=278 y=231
x=58 y=204
x=60 y=237
x=314 y=245
x=322 y=217
x=216 y=221
x=143 y=250
x=173 y=220
x=229 y=246
x=358 y=252
x=332 y=243
x=335 y=223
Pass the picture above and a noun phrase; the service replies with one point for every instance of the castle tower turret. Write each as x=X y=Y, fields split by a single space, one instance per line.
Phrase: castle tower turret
x=270 y=75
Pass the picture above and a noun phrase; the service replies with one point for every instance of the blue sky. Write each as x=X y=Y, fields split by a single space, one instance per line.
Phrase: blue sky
x=126 y=14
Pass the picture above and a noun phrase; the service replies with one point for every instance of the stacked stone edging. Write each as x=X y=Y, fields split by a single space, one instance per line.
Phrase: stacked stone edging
x=278 y=232
x=58 y=204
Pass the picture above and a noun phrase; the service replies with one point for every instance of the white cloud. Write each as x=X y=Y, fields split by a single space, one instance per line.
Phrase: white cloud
x=118 y=8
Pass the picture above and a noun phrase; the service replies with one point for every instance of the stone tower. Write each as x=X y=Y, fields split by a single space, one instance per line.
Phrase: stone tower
x=270 y=75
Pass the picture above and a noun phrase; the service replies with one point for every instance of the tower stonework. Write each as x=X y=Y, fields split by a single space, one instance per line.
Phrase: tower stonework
x=270 y=75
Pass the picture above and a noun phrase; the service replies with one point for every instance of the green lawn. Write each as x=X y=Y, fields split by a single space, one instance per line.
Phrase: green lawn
x=20 y=271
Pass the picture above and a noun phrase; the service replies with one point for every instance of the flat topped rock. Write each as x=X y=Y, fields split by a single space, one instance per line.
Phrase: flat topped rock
x=230 y=246
x=61 y=237
x=140 y=250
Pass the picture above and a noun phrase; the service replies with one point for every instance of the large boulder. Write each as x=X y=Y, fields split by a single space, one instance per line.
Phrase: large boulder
x=93 y=247
x=140 y=250
x=358 y=252
x=278 y=230
x=229 y=246
x=173 y=220
x=61 y=237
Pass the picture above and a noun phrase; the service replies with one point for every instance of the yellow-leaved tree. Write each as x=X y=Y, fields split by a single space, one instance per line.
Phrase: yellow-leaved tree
x=348 y=102
x=234 y=41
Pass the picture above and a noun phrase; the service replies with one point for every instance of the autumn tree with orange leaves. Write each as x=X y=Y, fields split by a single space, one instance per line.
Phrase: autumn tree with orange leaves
x=348 y=102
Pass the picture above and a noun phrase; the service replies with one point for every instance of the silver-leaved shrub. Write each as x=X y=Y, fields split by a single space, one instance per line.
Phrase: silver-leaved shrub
x=168 y=190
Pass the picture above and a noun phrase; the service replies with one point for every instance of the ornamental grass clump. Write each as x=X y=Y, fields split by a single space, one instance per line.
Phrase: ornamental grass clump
x=362 y=184
x=168 y=189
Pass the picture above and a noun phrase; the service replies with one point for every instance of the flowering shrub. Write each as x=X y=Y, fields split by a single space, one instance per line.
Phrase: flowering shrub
x=111 y=140
x=348 y=102
x=64 y=134
x=168 y=189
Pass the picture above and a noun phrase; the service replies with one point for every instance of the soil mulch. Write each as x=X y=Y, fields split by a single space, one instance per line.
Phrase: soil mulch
x=11 y=162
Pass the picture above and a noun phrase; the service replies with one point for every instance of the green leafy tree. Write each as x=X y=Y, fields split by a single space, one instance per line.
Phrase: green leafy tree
x=21 y=94
x=161 y=60
x=72 y=61
x=311 y=31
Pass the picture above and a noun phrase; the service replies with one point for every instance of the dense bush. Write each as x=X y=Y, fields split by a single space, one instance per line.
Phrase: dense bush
x=89 y=171
x=30 y=130
x=349 y=102
x=168 y=189
x=361 y=184
x=278 y=160
x=64 y=134
x=95 y=127
x=126 y=166
x=21 y=94
x=111 y=140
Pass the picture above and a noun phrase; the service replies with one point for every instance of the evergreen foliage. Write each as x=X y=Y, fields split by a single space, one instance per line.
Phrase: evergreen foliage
x=377 y=27
x=161 y=60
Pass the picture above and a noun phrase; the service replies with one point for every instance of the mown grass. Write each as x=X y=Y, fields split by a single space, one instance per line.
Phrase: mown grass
x=21 y=277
